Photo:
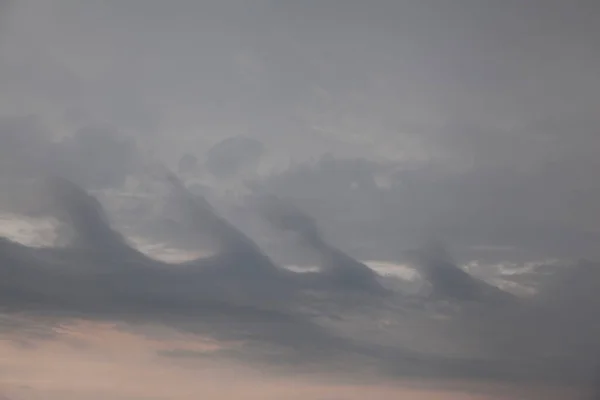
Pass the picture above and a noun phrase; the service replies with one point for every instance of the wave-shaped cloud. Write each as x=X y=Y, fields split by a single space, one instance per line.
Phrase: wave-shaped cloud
x=285 y=318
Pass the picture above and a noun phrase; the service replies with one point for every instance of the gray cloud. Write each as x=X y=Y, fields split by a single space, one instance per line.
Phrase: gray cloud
x=406 y=73
x=337 y=266
x=467 y=83
x=535 y=214
x=97 y=156
x=239 y=294
x=465 y=121
x=449 y=281
x=233 y=154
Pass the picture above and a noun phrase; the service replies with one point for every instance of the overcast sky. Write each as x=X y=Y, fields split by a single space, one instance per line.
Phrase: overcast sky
x=392 y=122
x=492 y=106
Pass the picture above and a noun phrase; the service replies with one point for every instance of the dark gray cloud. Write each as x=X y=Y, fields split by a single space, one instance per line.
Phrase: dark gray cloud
x=239 y=294
x=84 y=215
x=449 y=281
x=341 y=269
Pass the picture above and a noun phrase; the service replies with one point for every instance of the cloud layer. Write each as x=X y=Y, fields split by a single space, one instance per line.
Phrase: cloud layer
x=386 y=126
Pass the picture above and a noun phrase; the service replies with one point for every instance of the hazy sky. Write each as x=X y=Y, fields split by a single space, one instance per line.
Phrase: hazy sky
x=391 y=122
x=95 y=361
x=491 y=106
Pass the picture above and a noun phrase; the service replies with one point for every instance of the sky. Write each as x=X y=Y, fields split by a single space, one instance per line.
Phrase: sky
x=391 y=124
x=489 y=109
x=98 y=361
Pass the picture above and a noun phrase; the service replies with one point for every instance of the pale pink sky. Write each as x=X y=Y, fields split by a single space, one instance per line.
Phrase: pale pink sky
x=98 y=361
